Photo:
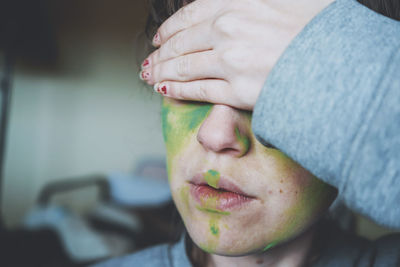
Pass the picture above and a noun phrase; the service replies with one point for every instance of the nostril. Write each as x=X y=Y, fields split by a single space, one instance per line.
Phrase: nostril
x=220 y=132
x=232 y=152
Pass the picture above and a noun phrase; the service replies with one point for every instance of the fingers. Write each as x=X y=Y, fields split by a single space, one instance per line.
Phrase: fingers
x=185 y=68
x=191 y=40
x=212 y=91
x=186 y=17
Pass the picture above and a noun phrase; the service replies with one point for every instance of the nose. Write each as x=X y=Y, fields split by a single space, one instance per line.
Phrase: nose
x=225 y=131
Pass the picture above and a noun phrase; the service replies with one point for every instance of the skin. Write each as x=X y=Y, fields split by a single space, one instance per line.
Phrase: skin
x=222 y=51
x=217 y=140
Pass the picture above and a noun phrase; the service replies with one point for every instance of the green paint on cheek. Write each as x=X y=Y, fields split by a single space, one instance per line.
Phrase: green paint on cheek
x=270 y=245
x=179 y=124
x=212 y=178
x=243 y=140
x=184 y=193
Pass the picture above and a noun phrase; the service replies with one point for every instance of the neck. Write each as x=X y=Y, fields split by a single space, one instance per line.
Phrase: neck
x=291 y=254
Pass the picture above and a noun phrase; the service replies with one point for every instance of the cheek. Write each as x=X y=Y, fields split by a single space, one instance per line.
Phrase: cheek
x=293 y=197
x=180 y=123
x=304 y=200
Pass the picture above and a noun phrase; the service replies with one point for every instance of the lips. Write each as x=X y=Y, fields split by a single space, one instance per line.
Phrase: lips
x=220 y=197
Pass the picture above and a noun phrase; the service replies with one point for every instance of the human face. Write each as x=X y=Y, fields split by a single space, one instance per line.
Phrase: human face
x=235 y=195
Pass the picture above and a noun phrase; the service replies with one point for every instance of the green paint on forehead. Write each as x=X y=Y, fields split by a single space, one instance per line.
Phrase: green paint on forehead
x=212 y=178
x=270 y=245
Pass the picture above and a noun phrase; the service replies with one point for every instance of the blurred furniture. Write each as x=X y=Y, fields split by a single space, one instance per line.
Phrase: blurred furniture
x=133 y=211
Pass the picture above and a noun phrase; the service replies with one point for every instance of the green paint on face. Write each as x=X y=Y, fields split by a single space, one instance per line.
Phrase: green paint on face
x=313 y=198
x=270 y=245
x=212 y=178
x=184 y=194
x=213 y=239
x=213 y=210
x=214 y=229
x=179 y=124
x=210 y=203
x=243 y=140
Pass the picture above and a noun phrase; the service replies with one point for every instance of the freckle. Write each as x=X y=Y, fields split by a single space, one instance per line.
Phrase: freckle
x=259 y=261
x=280 y=191
x=281 y=181
x=270 y=192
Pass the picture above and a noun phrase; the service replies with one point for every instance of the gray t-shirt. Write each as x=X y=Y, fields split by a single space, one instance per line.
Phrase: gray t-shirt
x=332 y=248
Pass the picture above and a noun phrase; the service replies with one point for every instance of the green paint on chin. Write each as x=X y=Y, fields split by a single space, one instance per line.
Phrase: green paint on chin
x=212 y=178
x=213 y=210
x=270 y=245
x=214 y=229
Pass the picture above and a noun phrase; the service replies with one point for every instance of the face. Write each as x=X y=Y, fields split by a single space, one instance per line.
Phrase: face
x=235 y=196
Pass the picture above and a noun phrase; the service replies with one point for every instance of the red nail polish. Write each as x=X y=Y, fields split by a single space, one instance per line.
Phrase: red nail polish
x=145 y=75
x=164 y=89
x=156 y=39
x=145 y=63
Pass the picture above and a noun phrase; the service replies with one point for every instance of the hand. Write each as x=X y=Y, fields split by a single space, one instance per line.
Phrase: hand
x=221 y=51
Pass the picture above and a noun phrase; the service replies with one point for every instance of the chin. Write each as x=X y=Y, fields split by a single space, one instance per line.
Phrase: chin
x=227 y=244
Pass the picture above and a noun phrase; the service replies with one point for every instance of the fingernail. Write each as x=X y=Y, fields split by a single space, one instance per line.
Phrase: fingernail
x=156 y=39
x=160 y=88
x=146 y=63
x=163 y=89
x=144 y=75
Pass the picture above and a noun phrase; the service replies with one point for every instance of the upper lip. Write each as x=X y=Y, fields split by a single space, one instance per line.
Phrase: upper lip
x=224 y=183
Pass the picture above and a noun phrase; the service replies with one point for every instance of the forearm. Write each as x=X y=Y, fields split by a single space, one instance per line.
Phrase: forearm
x=332 y=104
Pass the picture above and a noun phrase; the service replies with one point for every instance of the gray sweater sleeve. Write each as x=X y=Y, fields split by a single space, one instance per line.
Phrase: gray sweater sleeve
x=332 y=103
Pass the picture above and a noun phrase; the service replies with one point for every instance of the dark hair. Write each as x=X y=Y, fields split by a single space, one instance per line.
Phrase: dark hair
x=160 y=10
x=388 y=8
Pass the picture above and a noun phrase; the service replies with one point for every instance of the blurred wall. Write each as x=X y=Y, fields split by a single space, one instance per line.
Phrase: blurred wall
x=88 y=114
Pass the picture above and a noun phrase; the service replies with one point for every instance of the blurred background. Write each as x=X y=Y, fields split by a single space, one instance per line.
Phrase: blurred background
x=82 y=140
x=77 y=105
x=77 y=116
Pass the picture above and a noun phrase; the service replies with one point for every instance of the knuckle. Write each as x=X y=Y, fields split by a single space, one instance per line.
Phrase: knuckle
x=175 y=45
x=176 y=91
x=201 y=92
x=183 y=67
x=226 y=24
x=186 y=13
x=162 y=31
x=155 y=57
x=231 y=59
x=157 y=73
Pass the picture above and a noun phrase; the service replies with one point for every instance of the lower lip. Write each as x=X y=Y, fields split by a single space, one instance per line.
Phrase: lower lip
x=224 y=200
